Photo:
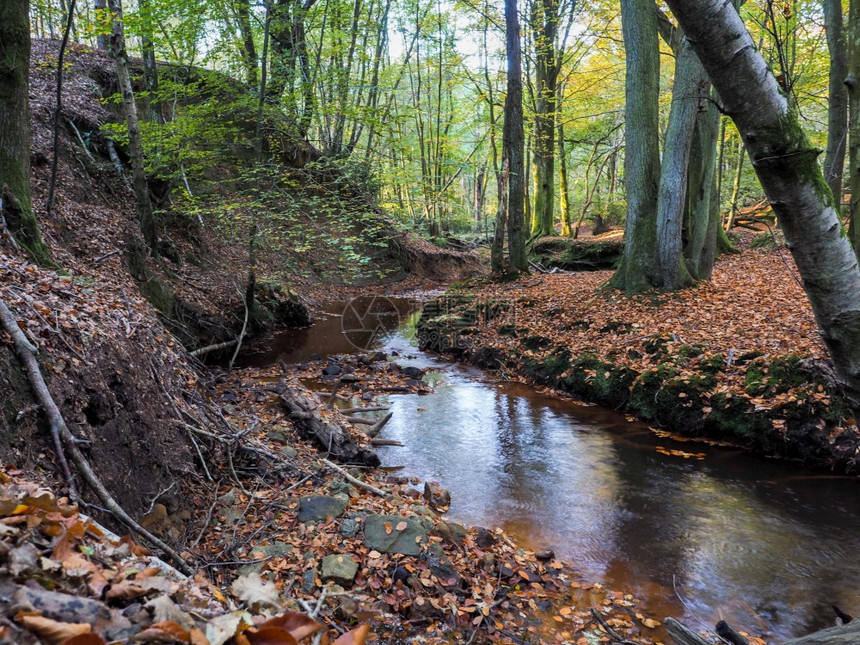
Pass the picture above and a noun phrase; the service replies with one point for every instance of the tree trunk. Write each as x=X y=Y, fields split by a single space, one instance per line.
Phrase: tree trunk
x=15 y=203
x=248 y=49
x=787 y=167
x=736 y=187
x=545 y=27
x=837 y=110
x=145 y=216
x=150 y=69
x=672 y=195
x=102 y=37
x=513 y=141
x=642 y=134
x=564 y=195
x=853 y=85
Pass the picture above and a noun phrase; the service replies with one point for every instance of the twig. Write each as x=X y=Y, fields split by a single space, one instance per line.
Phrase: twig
x=241 y=336
x=615 y=636
x=106 y=256
x=205 y=521
x=68 y=440
x=200 y=351
x=372 y=408
x=353 y=480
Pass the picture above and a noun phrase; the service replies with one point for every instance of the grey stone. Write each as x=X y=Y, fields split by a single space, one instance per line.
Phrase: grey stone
x=289 y=452
x=278 y=435
x=420 y=509
x=437 y=498
x=451 y=531
x=339 y=568
x=309 y=581
x=441 y=565
x=332 y=370
x=405 y=542
x=316 y=508
x=412 y=372
x=350 y=526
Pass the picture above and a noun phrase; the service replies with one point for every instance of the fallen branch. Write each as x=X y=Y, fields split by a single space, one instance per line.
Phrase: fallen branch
x=55 y=417
x=371 y=408
x=201 y=351
x=377 y=427
x=361 y=421
x=382 y=441
x=682 y=634
x=725 y=632
x=352 y=480
x=615 y=636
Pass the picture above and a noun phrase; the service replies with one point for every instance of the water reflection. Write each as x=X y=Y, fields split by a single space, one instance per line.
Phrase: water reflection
x=760 y=544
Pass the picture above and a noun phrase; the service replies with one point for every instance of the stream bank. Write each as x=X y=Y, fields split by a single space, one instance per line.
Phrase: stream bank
x=728 y=361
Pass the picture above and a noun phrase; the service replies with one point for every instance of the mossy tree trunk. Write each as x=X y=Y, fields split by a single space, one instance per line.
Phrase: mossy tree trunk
x=687 y=101
x=544 y=25
x=853 y=85
x=642 y=135
x=837 y=107
x=787 y=167
x=17 y=205
x=513 y=141
x=145 y=215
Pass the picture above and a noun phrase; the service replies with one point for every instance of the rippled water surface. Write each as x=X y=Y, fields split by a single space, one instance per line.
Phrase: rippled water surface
x=765 y=546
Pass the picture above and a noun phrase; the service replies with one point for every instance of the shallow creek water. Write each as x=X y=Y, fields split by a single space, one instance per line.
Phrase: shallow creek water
x=767 y=546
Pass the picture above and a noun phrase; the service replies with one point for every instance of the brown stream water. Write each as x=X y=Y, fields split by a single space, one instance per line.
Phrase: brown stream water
x=767 y=546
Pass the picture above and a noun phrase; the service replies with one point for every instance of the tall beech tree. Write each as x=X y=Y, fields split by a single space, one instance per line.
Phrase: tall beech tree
x=513 y=141
x=642 y=134
x=837 y=95
x=787 y=167
x=17 y=206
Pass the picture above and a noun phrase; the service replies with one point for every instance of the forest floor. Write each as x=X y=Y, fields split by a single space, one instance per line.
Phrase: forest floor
x=737 y=358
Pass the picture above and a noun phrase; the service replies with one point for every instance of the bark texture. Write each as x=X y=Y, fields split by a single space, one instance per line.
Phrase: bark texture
x=545 y=27
x=642 y=135
x=672 y=195
x=15 y=202
x=837 y=109
x=513 y=141
x=787 y=167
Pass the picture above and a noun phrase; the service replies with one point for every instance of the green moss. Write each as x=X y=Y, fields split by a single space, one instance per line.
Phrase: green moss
x=746 y=357
x=691 y=351
x=599 y=381
x=734 y=418
x=535 y=342
x=507 y=330
x=713 y=364
x=777 y=377
x=646 y=388
x=657 y=344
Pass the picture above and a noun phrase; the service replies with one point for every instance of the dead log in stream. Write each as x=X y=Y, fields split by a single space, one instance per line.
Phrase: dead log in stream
x=327 y=427
x=842 y=635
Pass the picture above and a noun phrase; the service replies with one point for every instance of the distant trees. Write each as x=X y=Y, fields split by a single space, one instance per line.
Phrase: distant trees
x=16 y=208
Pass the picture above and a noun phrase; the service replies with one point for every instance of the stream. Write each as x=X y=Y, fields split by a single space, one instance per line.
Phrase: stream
x=764 y=545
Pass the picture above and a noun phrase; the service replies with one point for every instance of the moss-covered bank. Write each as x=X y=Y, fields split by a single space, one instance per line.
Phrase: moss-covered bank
x=786 y=408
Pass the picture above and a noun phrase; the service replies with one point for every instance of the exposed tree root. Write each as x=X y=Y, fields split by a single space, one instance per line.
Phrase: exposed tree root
x=67 y=441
